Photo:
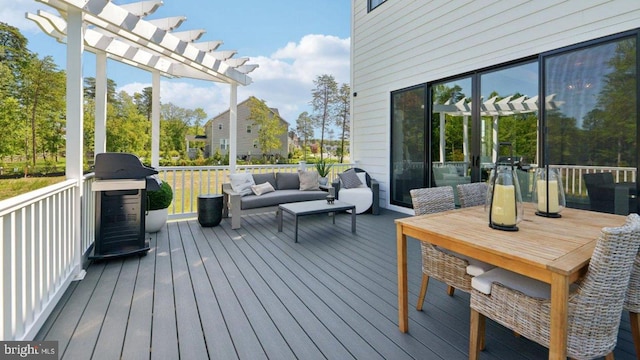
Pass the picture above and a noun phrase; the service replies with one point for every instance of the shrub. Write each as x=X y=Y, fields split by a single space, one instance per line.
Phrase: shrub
x=160 y=199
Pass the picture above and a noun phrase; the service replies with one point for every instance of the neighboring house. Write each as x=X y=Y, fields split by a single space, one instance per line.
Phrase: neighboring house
x=217 y=134
x=441 y=84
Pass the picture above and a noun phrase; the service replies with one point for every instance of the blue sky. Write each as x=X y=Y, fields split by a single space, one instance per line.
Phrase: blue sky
x=292 y=41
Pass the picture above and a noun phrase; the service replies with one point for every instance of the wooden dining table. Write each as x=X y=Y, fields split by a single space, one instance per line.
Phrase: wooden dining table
x=554 y=250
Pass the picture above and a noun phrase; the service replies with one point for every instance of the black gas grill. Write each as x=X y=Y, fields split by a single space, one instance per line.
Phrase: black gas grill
x=121 y=188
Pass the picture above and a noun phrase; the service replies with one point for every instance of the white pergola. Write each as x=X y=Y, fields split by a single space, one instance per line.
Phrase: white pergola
x=121 y=33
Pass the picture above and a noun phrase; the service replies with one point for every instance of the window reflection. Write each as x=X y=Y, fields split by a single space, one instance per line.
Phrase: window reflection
x=592 y=122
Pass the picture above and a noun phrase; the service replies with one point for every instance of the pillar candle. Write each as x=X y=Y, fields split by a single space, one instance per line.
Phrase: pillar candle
x=503 y=205
x=554 y=204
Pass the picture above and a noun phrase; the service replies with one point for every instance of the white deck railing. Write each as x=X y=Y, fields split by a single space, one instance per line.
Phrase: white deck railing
x=38 y=256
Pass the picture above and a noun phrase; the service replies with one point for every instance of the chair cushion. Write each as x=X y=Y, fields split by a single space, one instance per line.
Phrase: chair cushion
x=350 y=179
x=287 y=181
x=308 y=180
x=361 y=197
x=526 y=285
x=475 y=267
x=241 y=183
x=262 y=188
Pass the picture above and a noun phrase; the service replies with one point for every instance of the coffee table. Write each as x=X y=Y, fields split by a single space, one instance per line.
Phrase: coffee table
x=303 y=208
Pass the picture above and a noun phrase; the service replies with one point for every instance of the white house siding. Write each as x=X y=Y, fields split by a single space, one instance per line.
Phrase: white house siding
x=403 y=43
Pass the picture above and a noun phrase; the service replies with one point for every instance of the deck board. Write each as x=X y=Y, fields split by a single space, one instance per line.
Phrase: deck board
x=254 y=293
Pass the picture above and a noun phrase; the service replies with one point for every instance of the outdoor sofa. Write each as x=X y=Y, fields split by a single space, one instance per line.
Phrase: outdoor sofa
x=287 y=188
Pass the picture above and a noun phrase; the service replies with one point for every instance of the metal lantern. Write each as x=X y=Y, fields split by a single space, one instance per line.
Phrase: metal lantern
x=504 y=200
x=548 y=192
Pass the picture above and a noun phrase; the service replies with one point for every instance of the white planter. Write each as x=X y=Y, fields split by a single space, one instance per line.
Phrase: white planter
x=155 y=220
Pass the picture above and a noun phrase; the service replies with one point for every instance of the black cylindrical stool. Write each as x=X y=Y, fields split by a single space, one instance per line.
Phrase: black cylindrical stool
x=209 y=210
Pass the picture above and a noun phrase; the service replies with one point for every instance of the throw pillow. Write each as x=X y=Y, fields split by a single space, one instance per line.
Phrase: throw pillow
x=308 y=180
x=262 y=188
x=241 y=183
x=350 y=179
x=287 y=181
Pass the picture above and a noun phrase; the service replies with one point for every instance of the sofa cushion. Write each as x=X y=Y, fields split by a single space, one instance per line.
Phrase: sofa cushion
x=287 y=181
x=266 y=177
x=308 y=180
x=241 y=183
x=280 y=197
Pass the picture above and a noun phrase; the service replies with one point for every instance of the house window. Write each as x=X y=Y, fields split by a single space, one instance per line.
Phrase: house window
x=248 y=129
x=224 y=144
x=220 y=126
x=372 y=4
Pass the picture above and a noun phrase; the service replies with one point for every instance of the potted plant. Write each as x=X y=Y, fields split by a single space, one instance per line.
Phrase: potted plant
x=158 y=202
x=323 y=169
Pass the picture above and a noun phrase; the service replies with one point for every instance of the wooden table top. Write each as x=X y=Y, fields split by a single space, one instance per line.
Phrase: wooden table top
x=541 y=246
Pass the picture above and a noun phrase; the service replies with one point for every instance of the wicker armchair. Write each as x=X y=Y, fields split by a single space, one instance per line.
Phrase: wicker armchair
x=443 y=266
x=595 y=304
x=632 y=304
x=472 y=194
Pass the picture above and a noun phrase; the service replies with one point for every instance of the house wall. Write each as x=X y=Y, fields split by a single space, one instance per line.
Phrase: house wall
x=404 y=43
x=245 y=144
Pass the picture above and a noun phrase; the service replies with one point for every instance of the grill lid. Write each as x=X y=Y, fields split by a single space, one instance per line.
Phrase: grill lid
x=121 y=166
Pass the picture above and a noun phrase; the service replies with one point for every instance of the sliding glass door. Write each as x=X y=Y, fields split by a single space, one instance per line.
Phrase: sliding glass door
x=407 y=144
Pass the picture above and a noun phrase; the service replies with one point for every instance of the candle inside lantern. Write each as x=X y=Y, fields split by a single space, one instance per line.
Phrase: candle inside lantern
x=503 y=205
x=554 y=203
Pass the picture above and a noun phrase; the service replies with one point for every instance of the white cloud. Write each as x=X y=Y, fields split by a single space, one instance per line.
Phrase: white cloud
x=13 y=12
x=284 y=79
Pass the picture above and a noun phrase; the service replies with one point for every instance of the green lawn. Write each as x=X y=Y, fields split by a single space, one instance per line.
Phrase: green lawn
x=13 y=187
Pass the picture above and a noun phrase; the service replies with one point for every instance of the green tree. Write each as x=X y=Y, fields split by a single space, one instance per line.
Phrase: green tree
x=90 y=89
x=42 y=88
x=343 y=120
x=143 y=101
x=304 y=128
x=127 y=129
x=323 y=102
x=195 y=118
x=270 y=126
x=173 y=127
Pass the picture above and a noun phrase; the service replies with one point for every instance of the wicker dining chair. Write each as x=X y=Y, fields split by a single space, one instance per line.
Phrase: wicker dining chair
x=595 y=303
x=445 y=267
x=632 y=304
x=472 y=194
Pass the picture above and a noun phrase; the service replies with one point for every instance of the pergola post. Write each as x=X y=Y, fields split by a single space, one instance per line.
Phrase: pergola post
x=100 y=135
x=74 y=144
x=233 y=126
x=155 y=119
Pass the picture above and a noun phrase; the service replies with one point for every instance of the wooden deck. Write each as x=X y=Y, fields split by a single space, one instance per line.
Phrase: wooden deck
x=255 y=294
